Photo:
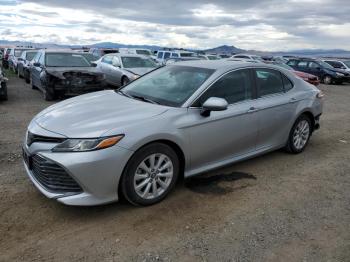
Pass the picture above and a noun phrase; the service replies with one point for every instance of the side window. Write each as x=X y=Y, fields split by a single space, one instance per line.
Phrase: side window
x=42 y=59
x=288 y=85
x=313 y=65
x=166 y=55
x=268 y=81
x=302 y=64
x=107 y=59
x=174 y=55
x=160 y=55
x=235 y=86
x=115 y=61
x=23 y=56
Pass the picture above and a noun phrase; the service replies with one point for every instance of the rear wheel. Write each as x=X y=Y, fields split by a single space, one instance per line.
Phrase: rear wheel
x=299 y=135
x=150 y=174
x=18 y=74
x=327 y=80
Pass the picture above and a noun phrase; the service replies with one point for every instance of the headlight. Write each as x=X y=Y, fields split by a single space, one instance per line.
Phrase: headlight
x=339 y=74
x=135 y=77
x=83 y=145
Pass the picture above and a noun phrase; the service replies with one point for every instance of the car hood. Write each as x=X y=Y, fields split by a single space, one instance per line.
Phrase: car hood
x=139 y=70
x=59 y=71
x=92 y=115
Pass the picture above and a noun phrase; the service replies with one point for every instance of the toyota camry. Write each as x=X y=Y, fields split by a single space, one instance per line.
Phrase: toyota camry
x=177 y=121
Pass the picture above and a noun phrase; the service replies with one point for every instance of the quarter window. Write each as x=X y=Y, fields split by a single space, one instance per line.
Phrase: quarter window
x=288 y=85
x=234 y=87
x=160 y=55
x=268 y=82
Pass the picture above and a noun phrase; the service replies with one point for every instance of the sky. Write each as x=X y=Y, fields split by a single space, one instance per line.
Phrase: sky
x=269 y=25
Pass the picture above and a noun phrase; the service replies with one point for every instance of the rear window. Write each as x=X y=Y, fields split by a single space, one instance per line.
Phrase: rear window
x=143 y=52
x=65 y=60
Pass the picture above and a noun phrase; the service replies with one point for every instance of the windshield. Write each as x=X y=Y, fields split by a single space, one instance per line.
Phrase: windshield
x=212 y=57
x=186 y=54
x=324 y=64
x=66 y=60
x=143 y=52
x=137 y=62
x=347 y=63
x=18 y=52
x=30 y=55
x=171 y=85
x=88 y=56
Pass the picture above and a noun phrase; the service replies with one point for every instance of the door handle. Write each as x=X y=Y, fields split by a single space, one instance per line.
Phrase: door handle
x=293 y=100
x=252 y=109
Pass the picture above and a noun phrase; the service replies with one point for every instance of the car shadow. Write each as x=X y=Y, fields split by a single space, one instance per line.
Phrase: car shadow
x=216 y=184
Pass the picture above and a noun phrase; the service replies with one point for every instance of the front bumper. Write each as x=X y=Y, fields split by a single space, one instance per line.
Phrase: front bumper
x=97 y=173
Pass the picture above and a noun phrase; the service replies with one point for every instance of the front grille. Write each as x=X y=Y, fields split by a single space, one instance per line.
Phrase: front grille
x=33 y=138
x=53 y=177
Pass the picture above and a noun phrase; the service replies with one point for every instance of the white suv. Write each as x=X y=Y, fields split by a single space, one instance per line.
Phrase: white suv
x=164 y=55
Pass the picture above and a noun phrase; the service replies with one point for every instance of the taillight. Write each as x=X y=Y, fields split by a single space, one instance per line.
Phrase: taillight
x=320 y=94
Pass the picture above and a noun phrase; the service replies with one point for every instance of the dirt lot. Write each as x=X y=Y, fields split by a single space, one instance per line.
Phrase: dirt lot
x=277 y=207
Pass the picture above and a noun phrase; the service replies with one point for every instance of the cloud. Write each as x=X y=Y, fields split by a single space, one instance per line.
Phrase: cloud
x=249 y=24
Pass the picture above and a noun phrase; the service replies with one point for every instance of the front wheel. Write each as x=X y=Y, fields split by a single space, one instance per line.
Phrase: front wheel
x=150 y=174
x=327 y=80
x=299 y=135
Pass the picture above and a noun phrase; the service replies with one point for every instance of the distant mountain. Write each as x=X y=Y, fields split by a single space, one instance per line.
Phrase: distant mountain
x=226 y=49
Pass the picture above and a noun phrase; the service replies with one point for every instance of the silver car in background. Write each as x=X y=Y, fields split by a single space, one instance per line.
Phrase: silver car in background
x=120 y=69
x=180 y=120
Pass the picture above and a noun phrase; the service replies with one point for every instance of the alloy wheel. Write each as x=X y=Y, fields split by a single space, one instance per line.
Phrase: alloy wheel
x=301 y=134
x=153 y=176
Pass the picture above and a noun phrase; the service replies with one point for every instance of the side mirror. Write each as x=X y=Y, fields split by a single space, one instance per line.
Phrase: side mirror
x=94 y=64
x=213 y=104
x=318 y=68
x=20 y=59
x=36 y=64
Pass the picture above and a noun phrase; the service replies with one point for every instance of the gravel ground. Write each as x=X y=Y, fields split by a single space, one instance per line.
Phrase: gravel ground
x=277 y=207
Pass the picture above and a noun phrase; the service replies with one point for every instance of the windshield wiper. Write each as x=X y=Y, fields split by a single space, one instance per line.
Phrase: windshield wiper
x=123 y=94
x=142 y=98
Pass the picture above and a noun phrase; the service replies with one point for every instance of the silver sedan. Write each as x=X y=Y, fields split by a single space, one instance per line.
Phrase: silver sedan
x=120 y=69
x=179 y=120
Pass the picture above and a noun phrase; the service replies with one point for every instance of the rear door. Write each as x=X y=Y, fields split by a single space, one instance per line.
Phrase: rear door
x=276 y=107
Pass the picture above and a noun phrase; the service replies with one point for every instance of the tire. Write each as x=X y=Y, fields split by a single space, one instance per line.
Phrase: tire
x=4 y=96
x=27 y=80
x=32 y=85
x=125 y=81
x=18 y=74
x=327 y=80
x=48 y=94
x=299 y=135
x=144 y=188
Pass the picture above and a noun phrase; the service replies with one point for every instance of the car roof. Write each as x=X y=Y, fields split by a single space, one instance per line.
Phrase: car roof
x=223 y=64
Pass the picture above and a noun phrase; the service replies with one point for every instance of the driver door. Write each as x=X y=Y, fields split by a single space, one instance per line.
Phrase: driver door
x=225 y=134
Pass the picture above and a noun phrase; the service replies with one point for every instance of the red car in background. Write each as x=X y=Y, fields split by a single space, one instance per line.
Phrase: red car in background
x=314 y=80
